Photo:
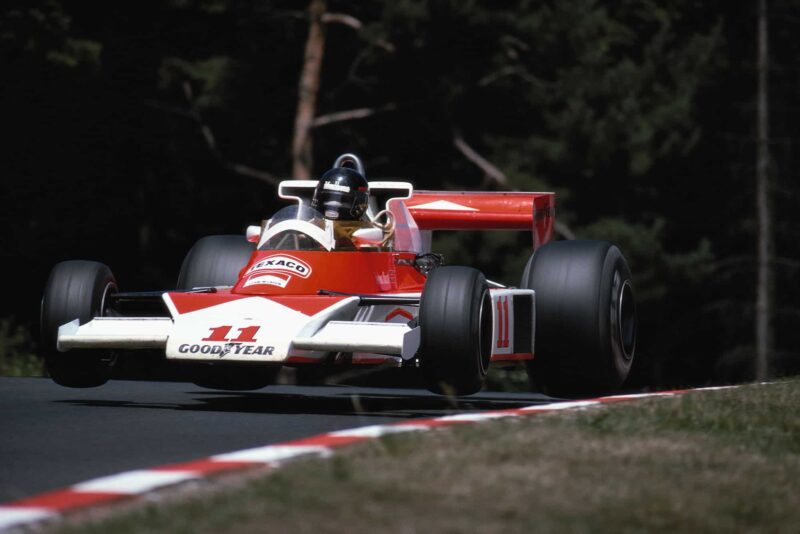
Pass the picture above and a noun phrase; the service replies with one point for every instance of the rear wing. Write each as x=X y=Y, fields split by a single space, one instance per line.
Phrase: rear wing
x=425 y=211
x=448 y=210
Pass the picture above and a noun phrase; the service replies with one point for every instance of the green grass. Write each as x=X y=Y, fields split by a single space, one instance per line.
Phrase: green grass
x=717 y=461
x=16 y=355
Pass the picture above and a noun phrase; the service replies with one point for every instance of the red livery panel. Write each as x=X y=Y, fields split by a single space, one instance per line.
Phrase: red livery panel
x=275 y=272
x=446 y=210
x=306 y=304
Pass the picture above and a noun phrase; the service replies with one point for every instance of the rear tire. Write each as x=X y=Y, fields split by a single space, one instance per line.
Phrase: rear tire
x=456 y=321
x=75 y=290
x=215 y=260
x=585 y=317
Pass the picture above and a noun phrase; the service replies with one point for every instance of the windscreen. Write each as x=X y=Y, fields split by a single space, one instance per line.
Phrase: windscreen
x=297 y=227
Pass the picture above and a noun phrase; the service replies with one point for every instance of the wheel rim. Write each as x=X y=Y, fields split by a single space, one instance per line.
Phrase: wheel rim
x=111 y=287
x=110 y=358
x=485 y=333
x=626 y=320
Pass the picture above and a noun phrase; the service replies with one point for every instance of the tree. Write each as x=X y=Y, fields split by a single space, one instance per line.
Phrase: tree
x=764 y=280
x=141 y=128
x=307 y=92
x=309 y=87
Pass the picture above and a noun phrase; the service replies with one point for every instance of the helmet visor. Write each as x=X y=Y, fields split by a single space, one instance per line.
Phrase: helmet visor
x=336 y=205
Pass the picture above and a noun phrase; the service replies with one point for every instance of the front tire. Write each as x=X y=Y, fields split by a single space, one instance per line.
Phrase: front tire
x=215 y=260
x=75 y=290
x=585 y=317
x=456 y=321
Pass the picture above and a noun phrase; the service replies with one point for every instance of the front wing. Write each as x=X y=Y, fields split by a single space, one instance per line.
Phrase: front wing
x=293 y=329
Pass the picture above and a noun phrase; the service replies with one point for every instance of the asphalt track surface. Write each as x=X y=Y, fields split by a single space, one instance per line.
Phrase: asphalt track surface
x=51 y=437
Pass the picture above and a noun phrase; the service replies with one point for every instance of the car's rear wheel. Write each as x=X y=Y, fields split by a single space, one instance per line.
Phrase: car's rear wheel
x=456 y=330
x=585 y=317
x=75 y=290
x=215 y=260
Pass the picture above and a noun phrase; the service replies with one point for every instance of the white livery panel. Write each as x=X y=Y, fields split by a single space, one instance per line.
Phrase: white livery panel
x=514 y=313
x=257 y=329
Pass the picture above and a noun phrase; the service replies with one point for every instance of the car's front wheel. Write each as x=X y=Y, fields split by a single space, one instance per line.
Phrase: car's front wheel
x=75 y=290
x=456 y=321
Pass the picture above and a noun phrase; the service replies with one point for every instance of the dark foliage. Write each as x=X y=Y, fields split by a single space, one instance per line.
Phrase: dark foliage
x=639 y=114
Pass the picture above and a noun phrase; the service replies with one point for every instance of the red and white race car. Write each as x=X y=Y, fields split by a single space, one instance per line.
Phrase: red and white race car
x=304 y=290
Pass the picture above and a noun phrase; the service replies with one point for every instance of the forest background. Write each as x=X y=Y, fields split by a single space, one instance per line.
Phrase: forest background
x=132 y=129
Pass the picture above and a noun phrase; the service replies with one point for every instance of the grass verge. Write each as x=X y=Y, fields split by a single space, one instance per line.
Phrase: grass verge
x=17 y=357
x=715 y=461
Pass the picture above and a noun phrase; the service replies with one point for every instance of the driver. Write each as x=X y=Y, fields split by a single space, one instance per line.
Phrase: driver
x=342 y=196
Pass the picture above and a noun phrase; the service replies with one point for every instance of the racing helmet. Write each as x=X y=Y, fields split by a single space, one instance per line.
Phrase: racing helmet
x=342 y=194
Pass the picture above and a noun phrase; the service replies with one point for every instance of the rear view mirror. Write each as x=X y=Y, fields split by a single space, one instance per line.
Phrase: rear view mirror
x=367 y=237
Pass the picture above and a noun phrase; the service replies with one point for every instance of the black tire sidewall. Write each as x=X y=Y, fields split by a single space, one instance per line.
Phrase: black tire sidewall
x=615 y=273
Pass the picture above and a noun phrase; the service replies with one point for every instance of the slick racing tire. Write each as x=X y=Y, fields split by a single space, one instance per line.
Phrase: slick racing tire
x=456 y=337
x=75 y=290
x=239 y=378
x=215 y=260
x=585 y=318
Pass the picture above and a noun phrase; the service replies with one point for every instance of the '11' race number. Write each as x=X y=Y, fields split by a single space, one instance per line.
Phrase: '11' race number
x=220 y=333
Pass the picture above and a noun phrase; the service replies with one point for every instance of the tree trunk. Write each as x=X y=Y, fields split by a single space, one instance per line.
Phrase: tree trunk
x=302 y=156
x=763 y=214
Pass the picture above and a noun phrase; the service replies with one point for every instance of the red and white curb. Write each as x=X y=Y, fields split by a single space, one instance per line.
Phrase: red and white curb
x=130 y=484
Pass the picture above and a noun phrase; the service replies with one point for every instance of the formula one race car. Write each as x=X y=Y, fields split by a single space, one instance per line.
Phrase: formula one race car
x=344 y=275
